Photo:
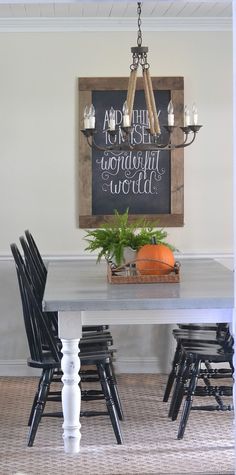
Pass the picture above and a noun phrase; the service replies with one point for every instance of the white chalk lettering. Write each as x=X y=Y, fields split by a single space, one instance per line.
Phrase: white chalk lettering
x=137 y=173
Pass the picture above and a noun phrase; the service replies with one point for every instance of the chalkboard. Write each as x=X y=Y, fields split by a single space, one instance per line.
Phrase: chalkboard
x=138 y=180
x=148 y=183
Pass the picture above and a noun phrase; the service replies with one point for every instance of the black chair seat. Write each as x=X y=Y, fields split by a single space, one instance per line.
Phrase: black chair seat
x=48 y=362
x=215 y=353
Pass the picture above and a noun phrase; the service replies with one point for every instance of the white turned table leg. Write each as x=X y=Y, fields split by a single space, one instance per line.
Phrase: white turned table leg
x=70 y=328
x=71 y=395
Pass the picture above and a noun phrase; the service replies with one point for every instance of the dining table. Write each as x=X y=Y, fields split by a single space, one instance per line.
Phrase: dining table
x=79 y=291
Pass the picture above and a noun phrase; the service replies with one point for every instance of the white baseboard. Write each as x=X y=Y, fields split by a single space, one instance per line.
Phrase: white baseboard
x=138 y=365
x=122 y=365
x=12 y=368
x=17 y=368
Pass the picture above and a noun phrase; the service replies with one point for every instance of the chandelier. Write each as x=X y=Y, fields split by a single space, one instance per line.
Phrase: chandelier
x=121 y=136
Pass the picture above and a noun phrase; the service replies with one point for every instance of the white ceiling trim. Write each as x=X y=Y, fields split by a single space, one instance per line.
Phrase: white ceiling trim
x=38 y=24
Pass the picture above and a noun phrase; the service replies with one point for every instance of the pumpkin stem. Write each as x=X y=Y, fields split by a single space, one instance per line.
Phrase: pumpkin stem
x=154 y=241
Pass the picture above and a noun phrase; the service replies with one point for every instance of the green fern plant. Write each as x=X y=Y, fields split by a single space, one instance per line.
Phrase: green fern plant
x=112 y=238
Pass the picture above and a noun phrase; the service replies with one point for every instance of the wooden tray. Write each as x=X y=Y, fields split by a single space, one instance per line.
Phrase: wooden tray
x=121 y=275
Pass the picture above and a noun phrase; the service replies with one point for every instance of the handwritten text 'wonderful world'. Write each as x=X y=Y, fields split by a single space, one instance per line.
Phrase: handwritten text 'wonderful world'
x=130 y=172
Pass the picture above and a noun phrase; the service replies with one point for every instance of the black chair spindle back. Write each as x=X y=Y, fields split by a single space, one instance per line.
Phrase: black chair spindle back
x=37 y=326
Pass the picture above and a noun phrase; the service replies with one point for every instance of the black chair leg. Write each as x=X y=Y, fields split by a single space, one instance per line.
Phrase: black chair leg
x=35 y=401
x=39 y=407
x=36 y=397
x=110 y=403
x=182 y=390
x=189 y=400
x=114 y=390
x=179 y=386
x=173 y=373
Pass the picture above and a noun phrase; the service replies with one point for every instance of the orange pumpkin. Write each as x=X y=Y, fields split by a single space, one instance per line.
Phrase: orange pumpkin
x=159 y=252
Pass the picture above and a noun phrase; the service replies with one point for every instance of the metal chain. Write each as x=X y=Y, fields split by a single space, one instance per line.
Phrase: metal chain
x=139 y=11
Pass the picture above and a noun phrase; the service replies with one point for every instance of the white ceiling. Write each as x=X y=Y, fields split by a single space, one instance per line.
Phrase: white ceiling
x=116 y=9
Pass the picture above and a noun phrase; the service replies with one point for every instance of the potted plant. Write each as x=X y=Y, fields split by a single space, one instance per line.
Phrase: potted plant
x=112 y=239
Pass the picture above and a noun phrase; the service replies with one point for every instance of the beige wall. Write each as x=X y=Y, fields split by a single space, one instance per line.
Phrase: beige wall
x=39 y=131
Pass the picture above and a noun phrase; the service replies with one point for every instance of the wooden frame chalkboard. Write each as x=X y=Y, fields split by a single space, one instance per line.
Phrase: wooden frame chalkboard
x=100 y=195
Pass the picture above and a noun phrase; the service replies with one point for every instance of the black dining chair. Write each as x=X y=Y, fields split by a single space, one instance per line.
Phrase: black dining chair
x=100 y=333
x=199 y=334
x=94 y=338
x=45 y=354
x=195 y=363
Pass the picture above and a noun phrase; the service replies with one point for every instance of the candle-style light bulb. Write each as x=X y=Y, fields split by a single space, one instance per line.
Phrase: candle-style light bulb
x=171 y=117
x=125 y=109
x=126 y=119
x=92 y=117
x=195 y=114
x=186 y=117
x=112 y=119
x=86 y=117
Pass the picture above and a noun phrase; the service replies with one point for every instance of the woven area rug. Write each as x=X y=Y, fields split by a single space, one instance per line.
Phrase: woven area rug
x=150 y=444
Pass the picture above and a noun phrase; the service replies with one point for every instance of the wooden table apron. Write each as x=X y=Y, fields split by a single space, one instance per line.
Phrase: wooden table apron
x=79 y=292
